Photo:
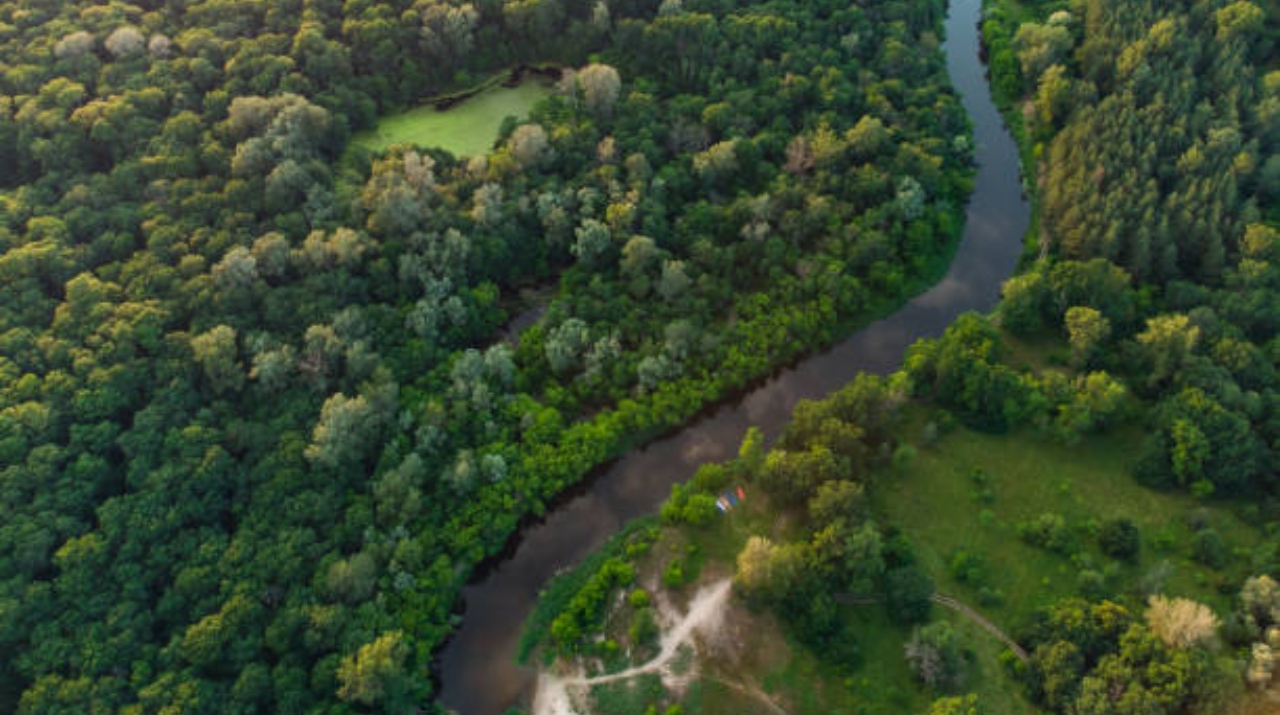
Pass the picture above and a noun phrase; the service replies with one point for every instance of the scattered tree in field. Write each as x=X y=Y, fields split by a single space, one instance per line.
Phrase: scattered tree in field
x=934 y=655
x=1119 y=539
x=1180 y=622
x=1262 y=666
x=1261 y=599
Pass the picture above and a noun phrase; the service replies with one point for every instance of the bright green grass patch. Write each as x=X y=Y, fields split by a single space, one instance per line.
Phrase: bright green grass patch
x=943 y=509
x=467 y=129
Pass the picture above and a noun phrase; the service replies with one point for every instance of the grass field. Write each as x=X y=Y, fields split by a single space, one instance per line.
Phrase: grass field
x=467 y=129
x=944 y=509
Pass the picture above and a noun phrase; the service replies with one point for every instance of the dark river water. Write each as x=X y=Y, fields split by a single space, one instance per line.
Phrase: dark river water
x=477 y=668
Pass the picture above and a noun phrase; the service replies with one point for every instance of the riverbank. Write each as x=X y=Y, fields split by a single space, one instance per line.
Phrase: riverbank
x=637 y=483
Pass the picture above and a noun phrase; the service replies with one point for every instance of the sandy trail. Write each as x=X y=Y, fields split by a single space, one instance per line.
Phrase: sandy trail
x=553 y=693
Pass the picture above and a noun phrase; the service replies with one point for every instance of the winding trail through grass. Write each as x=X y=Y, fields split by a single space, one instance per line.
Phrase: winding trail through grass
x=964 y=610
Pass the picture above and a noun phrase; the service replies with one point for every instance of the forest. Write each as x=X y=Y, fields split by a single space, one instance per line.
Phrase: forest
x=1093 y=466
x=259 y=422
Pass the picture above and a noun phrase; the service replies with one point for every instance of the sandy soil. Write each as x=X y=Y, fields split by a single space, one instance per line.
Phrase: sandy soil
x=562 y=694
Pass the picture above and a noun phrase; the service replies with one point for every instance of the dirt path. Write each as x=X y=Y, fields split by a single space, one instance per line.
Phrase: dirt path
x=705 y=609
x=555 y=693
x=554 y=697
x=988 y=626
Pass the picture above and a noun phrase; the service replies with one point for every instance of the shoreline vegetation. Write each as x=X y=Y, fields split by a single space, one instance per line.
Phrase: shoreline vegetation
x=1036 y=498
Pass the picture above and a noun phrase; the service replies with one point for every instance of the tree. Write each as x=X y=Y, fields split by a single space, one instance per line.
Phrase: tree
x=601 y=86
x=1087 y=330
x=354 y=579
x=1260 y=597
x=1181 y=622
x=908 y=591
x=529 y=146
x=792 y=477
x=1167 y=343
x=673 y=281
x=124 y=42
x=1024 y=300
x=566 y=344
x=767 y=572
x=593 y=243
x=1040 y=46
x=216 y=353
x=956 y=705
x=1262 y=666
x=838 y=501
x=342 y=433
x=933 y=652
x=375 y=674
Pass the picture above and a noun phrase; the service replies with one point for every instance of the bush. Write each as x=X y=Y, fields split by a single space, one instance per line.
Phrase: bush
x=673 y=574
x=644 y=629
x=1049 y=532
x=934 y=655
x=1208 y=548
x=968 y=568
x=1120 y=540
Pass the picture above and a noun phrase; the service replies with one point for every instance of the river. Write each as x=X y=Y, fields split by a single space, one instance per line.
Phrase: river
x=477 y=668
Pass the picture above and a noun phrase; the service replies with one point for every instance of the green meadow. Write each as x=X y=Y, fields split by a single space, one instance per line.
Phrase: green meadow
x=969 y=491
x=466 y=129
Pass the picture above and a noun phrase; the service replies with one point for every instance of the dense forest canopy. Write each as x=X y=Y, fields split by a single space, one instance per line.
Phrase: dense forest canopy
x=256 y=428
x=1157 y=125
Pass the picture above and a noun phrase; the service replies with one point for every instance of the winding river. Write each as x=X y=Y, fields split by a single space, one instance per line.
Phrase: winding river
x=477 y=668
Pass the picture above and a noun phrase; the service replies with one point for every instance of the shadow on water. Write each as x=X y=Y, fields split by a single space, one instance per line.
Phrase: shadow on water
x=477 y=669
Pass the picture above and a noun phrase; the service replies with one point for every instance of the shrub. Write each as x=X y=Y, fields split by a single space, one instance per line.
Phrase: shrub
x=673 y=574
x=1050 y=532
x=644 y=629
x=968 y=568
x=1120 y=540
x=1208 y=548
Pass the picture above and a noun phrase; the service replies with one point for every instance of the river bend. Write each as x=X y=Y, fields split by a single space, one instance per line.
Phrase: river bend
x=477 y=668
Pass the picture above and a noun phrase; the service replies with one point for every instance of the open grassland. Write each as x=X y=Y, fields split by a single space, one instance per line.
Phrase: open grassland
x=467 y=129
x=969 y=491
x=964 y=493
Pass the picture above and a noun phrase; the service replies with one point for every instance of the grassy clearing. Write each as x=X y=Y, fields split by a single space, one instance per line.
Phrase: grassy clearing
x=943 y=509
x=880 y=683
x=467 y=129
